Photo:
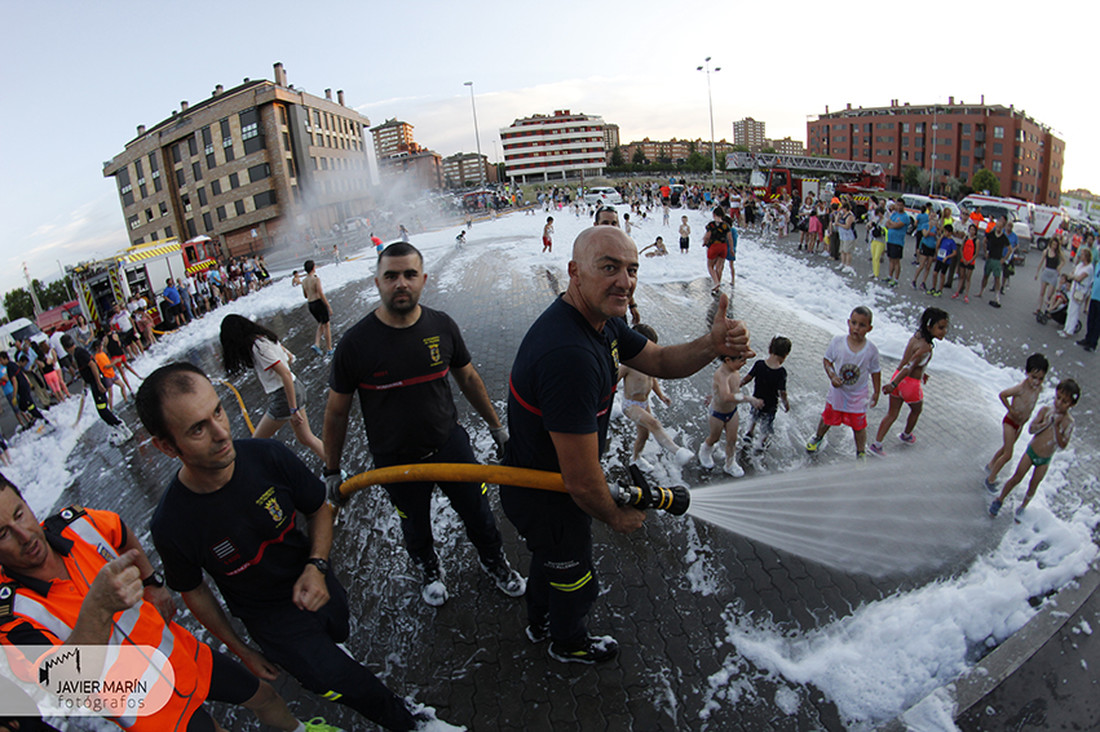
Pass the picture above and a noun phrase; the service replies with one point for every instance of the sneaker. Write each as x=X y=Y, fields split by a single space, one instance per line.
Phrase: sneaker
x=966 y=299
x=875 y=448
x=861 y=457
x=684 y=456
x=642 y=464
x=318 y=724
x=434 y=591
x=317 y=350
x=922 y=286
x=814 y=443
x=907 y=438
x=995 y=507
x=537 y=632
x=914 y=283
x=1082 y=342
x=955 y=296
x=706 y=455
x=593 y=649
x=331 y=351
x=733 y=468
x=990 y=485
x=507 y=580
x=994 y=303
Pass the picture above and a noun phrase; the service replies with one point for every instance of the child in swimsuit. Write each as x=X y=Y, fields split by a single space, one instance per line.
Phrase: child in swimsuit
x=1051 y=428
x=1023 y=397
x=906 y=386
x=636 y=389
x=723 y=415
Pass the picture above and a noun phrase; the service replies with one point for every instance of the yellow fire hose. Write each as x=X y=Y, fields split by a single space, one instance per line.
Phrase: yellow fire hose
x=640 y=495
x=240 y=401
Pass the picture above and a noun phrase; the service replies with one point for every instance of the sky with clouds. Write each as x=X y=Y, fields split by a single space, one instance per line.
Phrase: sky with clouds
x=79 y=77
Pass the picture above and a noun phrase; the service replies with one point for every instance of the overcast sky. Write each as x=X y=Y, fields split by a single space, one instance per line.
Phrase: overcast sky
x=79 y=77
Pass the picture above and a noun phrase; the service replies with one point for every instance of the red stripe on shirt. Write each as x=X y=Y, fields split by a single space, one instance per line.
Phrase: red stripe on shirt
x=260 y=553
x=407 y=382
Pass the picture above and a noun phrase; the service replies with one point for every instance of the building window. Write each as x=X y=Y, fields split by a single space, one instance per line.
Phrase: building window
x=148 y=215
x=258 y=172
x=202 y=196
x=964 y=161
x=192 y=146
x=999 y=132
x=919 y=128
x=211 y=162
x=997 y=167
x=964 y=144
x=998 y=148
x=216 y=186
x=904 y=126
x=141 y=189
x=192 y=232
x=234 y=181
x=196 y=171
x=176 y=156
x=966 y=128
x=186 y=201
x=153 y=163
x=267 y=198
x=207 y=222
x=163 y=208
x=221 y=213
x=180 y=179
x=134 y=222
x=239 y=206
x=286 y=141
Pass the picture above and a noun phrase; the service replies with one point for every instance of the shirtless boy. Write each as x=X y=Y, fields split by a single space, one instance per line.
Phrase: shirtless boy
x=1052 y=428
x=1020 y=402
x=636 y=389
x=318 y=308
x=685 y=235
x=723 y=415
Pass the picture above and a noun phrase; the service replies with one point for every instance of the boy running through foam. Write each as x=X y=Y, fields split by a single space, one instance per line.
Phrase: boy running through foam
x=1020 y=402
x=770 y=387
x=850 y=362
x=1052 y=427
x=636 y=389
x=547 y=235
x=723 y=414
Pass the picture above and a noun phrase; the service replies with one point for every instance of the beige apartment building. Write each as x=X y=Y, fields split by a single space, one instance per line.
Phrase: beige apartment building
x=252 y=166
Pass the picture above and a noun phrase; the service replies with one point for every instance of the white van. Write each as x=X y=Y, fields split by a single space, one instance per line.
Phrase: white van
x=19 y=329
x=1017 y=212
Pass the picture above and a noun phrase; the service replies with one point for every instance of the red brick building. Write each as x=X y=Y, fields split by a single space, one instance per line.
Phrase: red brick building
x=954 y=140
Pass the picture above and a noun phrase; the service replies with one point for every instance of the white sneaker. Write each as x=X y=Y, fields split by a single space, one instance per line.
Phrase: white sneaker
x=434 y=591
x=706 y=455
x=733 y=468
x=642 y=464
x=684 y=456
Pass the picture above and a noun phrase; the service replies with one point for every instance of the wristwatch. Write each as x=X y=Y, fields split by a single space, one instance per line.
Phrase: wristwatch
x=321 y=564
x=156 y=579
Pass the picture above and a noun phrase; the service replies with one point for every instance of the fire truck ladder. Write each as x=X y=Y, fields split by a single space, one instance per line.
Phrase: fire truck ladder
x=749 y=161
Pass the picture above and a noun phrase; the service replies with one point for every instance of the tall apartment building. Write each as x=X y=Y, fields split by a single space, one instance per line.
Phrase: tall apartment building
x=750 y=133
x=949 y=140
x=248 y=167
x=558 y=146
x=610 y=137
x=392 y=136
x=462 y=168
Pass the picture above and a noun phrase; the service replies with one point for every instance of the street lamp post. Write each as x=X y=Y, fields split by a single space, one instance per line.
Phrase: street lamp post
x=710 y=104
x=477 y=135
x=932 y=178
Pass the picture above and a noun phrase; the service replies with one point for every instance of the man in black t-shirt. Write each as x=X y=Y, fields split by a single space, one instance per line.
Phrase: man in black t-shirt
x=996 y=245
x=89 y=372
x=561 y=388
x=397 y=359
x=232 y=512
x=24 y=400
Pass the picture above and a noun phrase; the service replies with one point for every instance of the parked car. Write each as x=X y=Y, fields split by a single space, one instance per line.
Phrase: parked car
x=602 y=195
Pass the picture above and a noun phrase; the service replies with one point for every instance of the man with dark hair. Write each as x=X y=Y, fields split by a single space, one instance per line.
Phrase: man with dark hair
x=561 y=387
x=318 y=308
x=81 y=578
x=24 y=400
x=172 y=296
x=89 y=371
x=996 y=247
x=231 y=511
x=397 y=359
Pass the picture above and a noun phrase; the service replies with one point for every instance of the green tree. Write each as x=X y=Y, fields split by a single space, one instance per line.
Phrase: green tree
x=910 y=177
x=639 y=157
x=769 y=150
x=617 y=156
x=18 y=304
x=984 y=180
x=740 y=148
x=696 y=163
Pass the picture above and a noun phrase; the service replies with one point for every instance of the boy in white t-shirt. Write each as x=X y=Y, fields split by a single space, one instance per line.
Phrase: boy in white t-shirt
x=850 y=362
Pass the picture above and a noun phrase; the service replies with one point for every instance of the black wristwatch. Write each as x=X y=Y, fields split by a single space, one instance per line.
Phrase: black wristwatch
x=156 y=579
x=321 y=564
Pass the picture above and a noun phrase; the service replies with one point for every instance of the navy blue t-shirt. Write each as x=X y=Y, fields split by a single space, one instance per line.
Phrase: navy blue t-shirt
x=245 y=534
x=563 y=380
x=767 y=383
x=401 y=377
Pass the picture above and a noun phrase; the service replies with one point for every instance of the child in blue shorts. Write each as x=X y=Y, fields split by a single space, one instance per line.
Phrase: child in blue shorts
x=770 y=387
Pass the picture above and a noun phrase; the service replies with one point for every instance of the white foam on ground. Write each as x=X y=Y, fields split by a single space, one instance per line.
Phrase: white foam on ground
x=873 y=664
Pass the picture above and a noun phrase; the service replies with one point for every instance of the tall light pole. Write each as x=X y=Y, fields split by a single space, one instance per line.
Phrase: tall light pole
x=710 y=104
x=932 y=178
x=477 y=135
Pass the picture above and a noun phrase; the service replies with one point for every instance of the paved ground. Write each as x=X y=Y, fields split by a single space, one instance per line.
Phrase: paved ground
x=470 y=660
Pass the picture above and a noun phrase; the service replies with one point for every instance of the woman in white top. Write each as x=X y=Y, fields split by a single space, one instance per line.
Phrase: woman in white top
x=1080 y=290
x=248 y=344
